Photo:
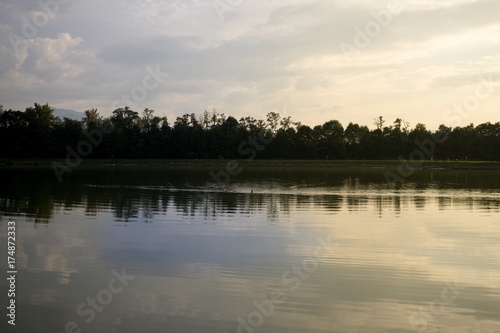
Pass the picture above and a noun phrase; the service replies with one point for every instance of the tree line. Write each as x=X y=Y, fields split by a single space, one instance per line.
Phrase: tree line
x=37 y=133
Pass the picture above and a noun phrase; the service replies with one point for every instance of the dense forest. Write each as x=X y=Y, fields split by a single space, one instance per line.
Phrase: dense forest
x=36 y=133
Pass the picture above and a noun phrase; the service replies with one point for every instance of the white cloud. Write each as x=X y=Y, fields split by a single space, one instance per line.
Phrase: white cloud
x=52 y=59
x=275 y=53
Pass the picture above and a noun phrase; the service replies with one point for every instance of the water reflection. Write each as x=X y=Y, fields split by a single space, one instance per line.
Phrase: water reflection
x=130 y=195
x=202 y=255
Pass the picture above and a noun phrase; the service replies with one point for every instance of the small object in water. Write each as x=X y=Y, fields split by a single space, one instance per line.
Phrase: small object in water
x=251 y=191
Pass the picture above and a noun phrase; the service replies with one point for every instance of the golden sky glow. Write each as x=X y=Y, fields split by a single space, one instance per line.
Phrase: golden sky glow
x=423 y=61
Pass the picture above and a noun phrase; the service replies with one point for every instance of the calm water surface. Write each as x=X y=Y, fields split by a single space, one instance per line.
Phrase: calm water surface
x=125 y=250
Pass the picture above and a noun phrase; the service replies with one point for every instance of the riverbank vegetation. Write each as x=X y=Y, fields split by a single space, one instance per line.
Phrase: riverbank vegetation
x=36 y=134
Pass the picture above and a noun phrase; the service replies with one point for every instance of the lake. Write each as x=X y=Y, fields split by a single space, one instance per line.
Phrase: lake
x=270 y=250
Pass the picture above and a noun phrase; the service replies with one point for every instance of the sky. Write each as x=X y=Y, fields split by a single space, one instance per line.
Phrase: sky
x=430 y=62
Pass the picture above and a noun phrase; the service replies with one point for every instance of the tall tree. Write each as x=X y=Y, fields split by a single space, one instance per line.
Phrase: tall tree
x=40 y=121
x=91 y=119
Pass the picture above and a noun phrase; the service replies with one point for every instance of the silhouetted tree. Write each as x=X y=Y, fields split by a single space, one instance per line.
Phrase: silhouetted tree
x=36 y=133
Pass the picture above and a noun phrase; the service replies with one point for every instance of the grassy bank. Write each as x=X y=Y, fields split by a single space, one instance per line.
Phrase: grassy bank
x=145 y=163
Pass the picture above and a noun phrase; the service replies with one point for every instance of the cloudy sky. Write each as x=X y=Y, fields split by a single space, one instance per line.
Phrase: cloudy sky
x=434 y=62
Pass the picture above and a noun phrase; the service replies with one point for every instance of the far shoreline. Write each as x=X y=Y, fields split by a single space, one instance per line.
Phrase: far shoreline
x=263 y=163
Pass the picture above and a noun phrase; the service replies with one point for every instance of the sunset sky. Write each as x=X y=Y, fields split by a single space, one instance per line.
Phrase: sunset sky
x=434 y=62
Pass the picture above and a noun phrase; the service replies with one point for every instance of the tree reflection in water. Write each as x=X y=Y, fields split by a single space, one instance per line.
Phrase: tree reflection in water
x=140 y=195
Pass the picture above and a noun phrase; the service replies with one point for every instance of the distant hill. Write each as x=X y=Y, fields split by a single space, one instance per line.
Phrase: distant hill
x=71 y=114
